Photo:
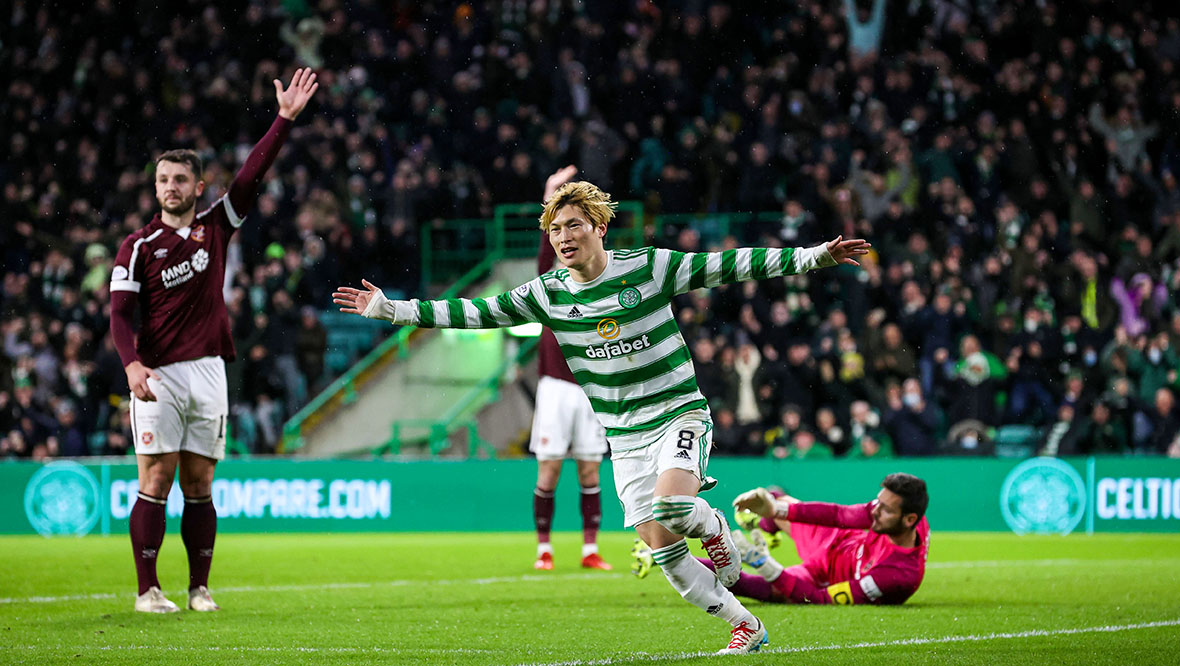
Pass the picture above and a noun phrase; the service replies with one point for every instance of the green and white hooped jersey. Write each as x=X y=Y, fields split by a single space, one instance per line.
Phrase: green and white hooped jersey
x=617 y=332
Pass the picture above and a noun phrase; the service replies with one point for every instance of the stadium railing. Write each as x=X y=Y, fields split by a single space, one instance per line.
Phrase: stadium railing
x=448 y=248
x=461 y=415
x=343 y=390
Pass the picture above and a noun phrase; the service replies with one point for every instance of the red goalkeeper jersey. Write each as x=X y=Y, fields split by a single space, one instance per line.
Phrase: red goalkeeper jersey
x=848 y=562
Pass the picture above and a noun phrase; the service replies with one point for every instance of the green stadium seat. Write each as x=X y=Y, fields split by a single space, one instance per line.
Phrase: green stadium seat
x=1016 y=441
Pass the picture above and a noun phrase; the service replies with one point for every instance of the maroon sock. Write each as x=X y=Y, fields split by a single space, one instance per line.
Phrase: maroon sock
x=591 y=513
x=147 y=533
x=748 y=585
x=198 y=528
x=543 y=513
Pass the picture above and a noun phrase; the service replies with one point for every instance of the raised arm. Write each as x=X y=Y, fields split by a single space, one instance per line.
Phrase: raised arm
x=761 y=502
x=519 y=306
x=545 y=253
x=244 y=188
x=682 y=272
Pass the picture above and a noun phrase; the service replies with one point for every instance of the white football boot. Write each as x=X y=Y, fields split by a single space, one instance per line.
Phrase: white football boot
x=154 y=601
x=746 y=639
x=726 y=559
x=200 y=600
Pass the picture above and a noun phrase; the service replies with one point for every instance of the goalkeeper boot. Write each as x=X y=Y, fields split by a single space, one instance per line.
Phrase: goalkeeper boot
x=745 y=639
x=595 y=561
x=643 y=559
x=199 y=599
x=154 y=601
x=756 y=553
x=727 y=561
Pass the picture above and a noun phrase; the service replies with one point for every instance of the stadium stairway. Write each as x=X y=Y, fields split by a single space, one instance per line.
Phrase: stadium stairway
x=443 y=367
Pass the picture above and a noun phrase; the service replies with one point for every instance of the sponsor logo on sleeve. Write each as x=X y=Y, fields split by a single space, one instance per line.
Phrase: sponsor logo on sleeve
x=523 y=289
x=841 y=593
x=120 y=273
x=869 y=587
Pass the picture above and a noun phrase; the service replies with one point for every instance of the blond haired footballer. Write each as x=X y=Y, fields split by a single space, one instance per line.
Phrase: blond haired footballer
x=612 y=315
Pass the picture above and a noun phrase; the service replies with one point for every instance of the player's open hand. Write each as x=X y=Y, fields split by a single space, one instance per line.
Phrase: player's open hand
x=137 y=378
x=844 y=251
x=295 y=97
x=355 y=301
x=758 y=500
x=557 y=179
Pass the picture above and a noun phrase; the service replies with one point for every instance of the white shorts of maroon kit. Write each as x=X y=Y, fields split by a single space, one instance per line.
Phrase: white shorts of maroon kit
x=564 y=423
x=189 y=412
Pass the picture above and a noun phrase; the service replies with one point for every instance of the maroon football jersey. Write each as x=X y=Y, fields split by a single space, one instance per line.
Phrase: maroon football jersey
x=174 y=277
x=550 y=361
x=178 y=275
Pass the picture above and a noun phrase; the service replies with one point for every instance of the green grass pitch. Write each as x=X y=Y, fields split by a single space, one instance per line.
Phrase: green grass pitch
x=474 y=599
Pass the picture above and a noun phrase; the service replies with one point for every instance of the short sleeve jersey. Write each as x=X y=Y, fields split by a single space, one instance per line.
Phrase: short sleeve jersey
x=178 y=275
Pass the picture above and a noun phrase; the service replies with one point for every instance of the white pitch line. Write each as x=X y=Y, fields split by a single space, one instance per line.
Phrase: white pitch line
x=527 y=578
x=972 y=638
x=904 y=642
x=533 y=578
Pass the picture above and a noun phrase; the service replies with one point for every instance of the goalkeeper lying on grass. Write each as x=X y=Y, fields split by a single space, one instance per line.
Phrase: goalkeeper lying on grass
x=864 y=553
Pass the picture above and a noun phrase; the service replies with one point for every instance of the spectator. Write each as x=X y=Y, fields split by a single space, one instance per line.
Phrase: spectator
x=912 y=422
x=311 y=343
x=1038 y=176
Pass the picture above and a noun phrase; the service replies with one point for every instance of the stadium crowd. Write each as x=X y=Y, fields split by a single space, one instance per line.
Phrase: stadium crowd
x=1014 y=163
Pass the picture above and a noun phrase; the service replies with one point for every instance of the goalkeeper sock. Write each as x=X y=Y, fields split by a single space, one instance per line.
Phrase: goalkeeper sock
x=686 y=515
x=148 y=521
x=543 y=501
x=747 y=586
x=699 y=585
x=591 y=517
x=198 y=529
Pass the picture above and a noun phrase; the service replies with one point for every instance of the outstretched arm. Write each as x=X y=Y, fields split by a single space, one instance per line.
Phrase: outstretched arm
x=244 y=188
x=682 y=272
x=519 y=306
x=761 y=502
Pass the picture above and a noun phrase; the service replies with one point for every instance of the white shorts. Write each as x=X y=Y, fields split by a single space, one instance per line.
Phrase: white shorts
x=189 y=412
x=564 y=423
x=684 y=443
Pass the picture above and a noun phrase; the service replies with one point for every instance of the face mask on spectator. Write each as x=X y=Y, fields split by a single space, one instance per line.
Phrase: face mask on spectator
x=1090 y=357
x=911 y=399
x=970 y=442
x=1030 y=325
x=1153 y=355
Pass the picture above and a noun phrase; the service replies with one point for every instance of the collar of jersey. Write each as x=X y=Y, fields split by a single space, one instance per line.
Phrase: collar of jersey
x=581 y=286
x=183 y=232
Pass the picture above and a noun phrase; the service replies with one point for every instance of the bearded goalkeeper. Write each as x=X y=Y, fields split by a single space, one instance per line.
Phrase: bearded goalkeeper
x=873 y=553
x=612 y=316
